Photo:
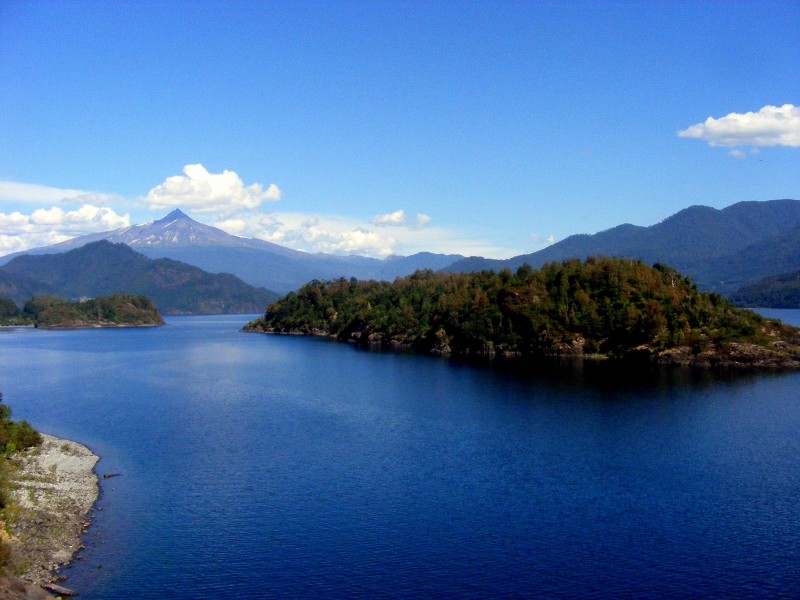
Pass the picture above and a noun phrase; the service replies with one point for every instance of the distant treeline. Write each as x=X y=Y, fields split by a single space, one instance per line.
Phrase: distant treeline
x=781 y=291
x=51 y=311
x=598 y=306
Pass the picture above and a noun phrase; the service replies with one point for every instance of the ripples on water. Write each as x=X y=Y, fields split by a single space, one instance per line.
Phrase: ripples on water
x=257 y=466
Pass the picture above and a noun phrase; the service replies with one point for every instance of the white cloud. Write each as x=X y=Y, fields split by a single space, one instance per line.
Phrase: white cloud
x=203 y=192
x=770 y=126
x=330 y=233
x=393 y=219
x=539 y=240
x=737 y=153
x=46 y=226
x=398 y=219
x=31 y=193
x=336 y=234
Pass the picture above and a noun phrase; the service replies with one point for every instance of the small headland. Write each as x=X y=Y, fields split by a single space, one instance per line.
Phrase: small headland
x=51 y=488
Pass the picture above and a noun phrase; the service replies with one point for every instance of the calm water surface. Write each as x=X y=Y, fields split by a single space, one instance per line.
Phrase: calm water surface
x=257 y=466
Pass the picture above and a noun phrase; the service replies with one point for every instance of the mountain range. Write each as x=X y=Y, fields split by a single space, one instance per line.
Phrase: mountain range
x=721 y=249
x=258 y=262
x=103 y=268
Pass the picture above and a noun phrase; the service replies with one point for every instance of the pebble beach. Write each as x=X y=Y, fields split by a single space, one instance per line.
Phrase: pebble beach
x=55 y=488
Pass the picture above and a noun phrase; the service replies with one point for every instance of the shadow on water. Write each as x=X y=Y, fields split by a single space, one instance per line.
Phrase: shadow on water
x=603 y=375
x=618 y=379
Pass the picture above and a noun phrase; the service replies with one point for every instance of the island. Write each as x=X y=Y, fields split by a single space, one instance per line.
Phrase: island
x=52 y=312
x=603 y=308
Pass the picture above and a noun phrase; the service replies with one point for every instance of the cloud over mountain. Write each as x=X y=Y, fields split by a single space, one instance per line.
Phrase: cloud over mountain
x=398 y=219
x=770 y=126
x=45 y=226
x=202 y=192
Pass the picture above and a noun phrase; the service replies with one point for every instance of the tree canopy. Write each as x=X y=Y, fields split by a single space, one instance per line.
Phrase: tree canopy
x=598 y=306
x=107 y=311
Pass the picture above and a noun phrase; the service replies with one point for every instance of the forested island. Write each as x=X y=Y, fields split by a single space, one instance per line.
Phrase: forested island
x=119 y=310
x=600 y=307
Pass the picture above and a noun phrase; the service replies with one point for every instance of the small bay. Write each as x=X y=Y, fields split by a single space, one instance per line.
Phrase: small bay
x=285 y=467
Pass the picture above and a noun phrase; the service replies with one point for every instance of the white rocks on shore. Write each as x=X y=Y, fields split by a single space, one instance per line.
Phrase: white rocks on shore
x=55 y=488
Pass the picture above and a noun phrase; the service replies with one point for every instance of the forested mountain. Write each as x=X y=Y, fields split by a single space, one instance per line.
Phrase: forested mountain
x=781 y=291
x=720 y=249
x=776 y=255
x=610 y=307
x=19 y=287
x=102 y=269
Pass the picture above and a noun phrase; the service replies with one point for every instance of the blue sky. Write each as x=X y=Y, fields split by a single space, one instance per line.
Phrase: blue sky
x=484 y=128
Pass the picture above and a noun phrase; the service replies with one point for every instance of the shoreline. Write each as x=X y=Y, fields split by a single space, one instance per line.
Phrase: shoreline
x=56 y=488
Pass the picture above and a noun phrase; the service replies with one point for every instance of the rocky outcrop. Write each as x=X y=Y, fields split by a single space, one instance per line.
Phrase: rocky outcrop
x=56 y=488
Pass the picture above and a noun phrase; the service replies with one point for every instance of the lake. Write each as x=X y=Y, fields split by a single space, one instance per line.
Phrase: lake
x=284 y=467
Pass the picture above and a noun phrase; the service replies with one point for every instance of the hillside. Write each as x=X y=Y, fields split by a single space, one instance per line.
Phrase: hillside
x=600 y=307
x=102 y=269
x=720 y=249
x=19 y=287
x=781 y=291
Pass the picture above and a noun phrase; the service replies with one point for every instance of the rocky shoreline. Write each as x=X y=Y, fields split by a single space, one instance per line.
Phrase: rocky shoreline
x=55 y=487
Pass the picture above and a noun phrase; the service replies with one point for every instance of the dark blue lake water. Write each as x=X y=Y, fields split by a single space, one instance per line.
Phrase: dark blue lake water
x=275 y=467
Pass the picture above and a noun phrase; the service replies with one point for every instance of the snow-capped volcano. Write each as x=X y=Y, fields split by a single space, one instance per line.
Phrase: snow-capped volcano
x=258 y=262
x=176 y=230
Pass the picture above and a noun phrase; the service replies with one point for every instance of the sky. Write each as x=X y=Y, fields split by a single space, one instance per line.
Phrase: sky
x=489 y=128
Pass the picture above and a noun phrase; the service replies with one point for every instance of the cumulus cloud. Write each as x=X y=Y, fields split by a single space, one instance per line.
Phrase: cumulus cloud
x=331 y=234
x=336 y=234
x=770 y=126
x=398 y=219
x=199 y=191
x=46 y=226
x=393 y=219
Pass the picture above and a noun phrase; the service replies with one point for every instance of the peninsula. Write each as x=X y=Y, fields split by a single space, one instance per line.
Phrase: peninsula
x=47 y=488
x=600 y=307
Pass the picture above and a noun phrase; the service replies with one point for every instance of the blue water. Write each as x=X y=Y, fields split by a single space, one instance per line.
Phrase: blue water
x=282 y=467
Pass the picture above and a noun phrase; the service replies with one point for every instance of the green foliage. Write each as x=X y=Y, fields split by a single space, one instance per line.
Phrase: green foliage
x=15 y=435
x=10 y=314
x=781 y=291
x=119 y=310
x=601 y=305
x=8 y=310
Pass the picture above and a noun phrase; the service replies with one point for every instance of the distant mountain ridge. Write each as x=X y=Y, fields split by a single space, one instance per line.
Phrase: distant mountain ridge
x=258 y=262
x=720 y=249
x=103 y=268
